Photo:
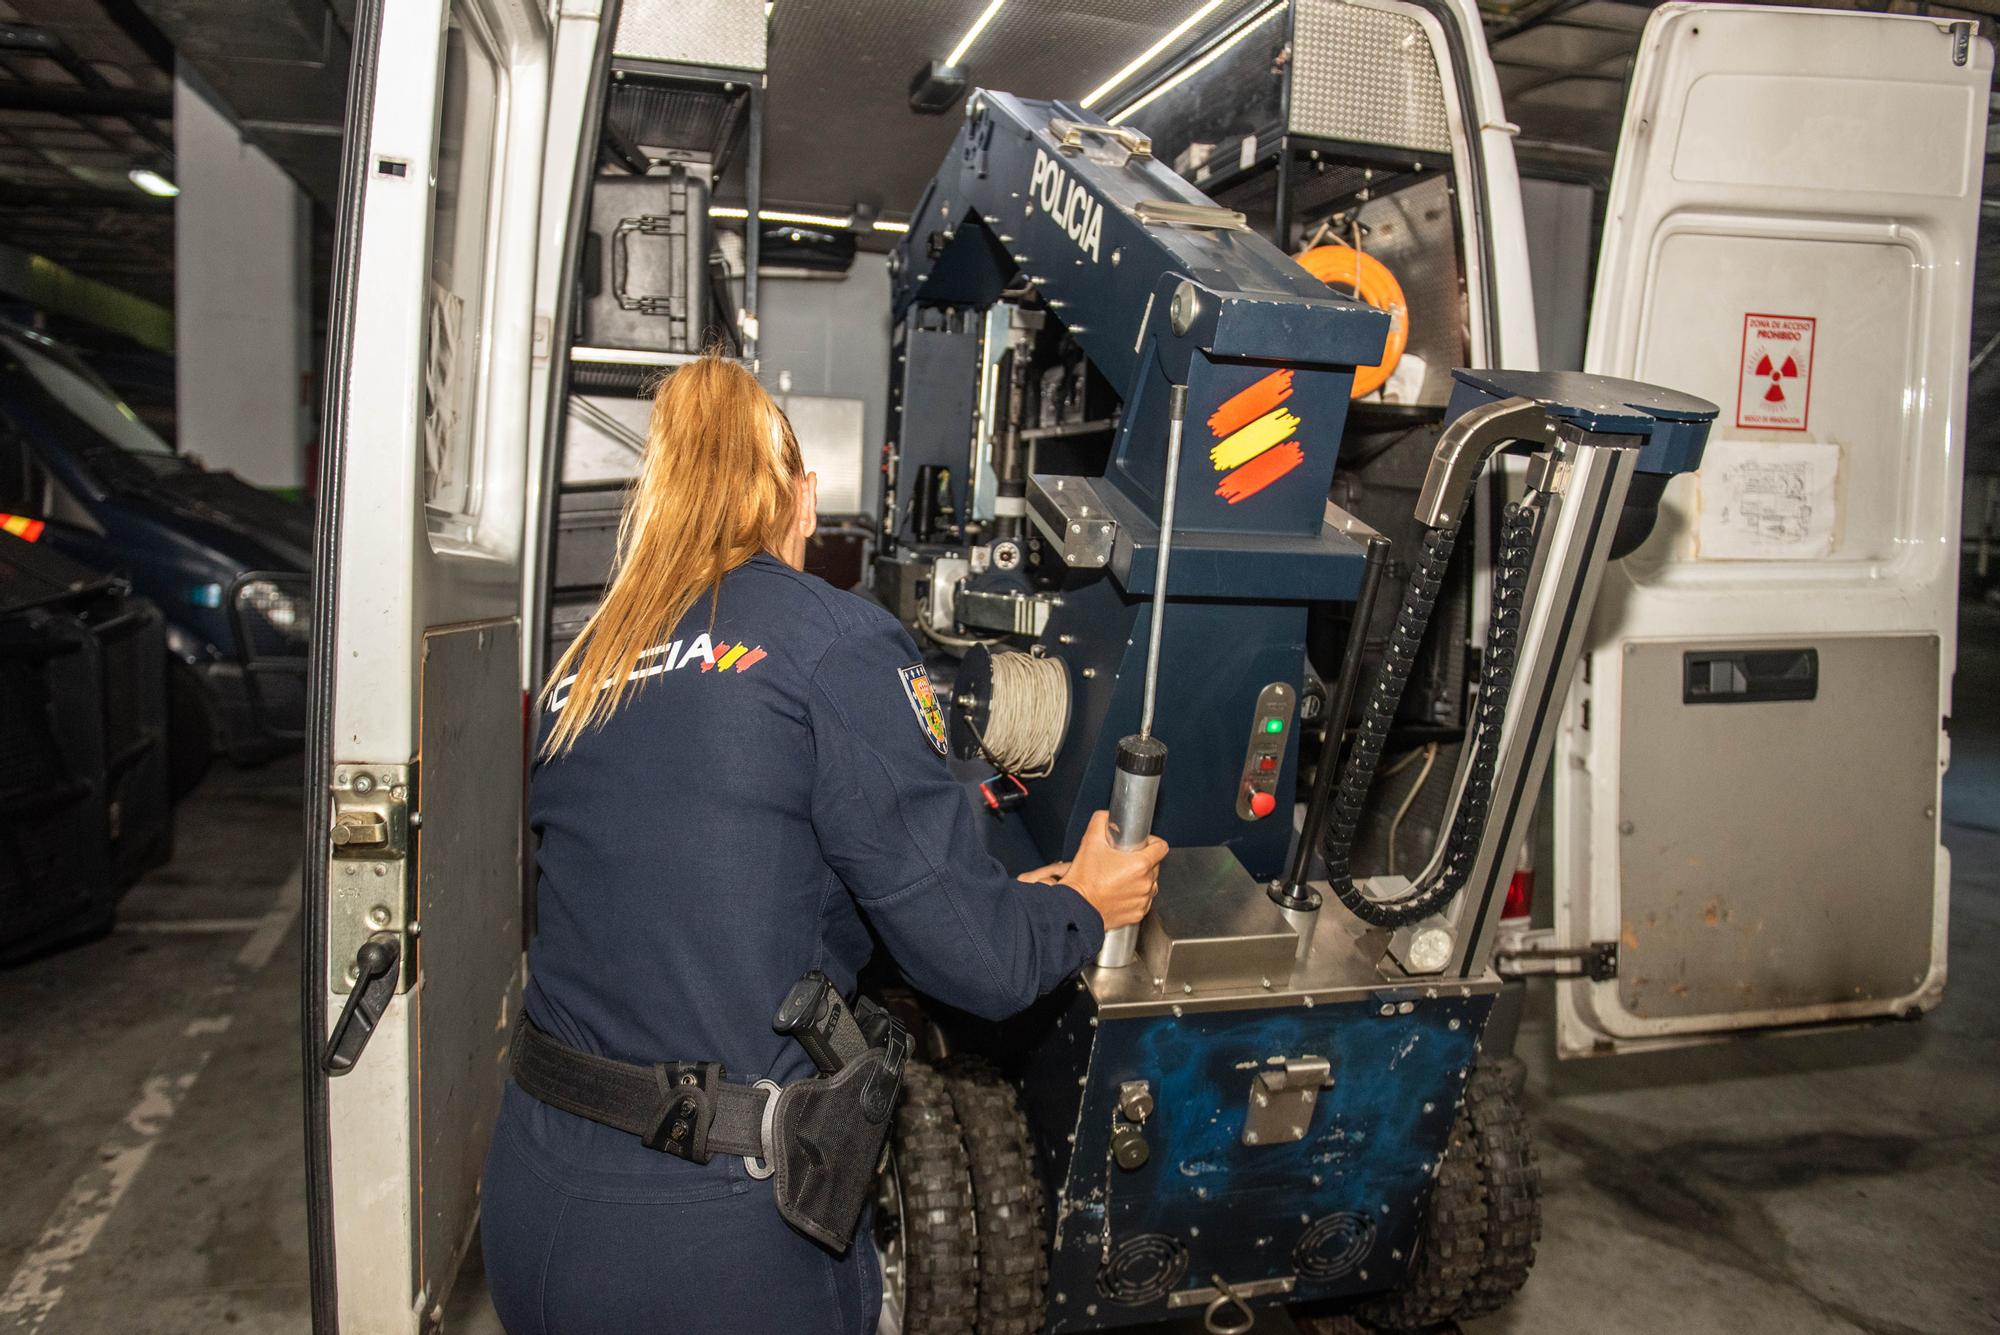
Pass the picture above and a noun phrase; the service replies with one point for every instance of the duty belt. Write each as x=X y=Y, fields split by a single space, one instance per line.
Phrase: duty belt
x=686 y=1109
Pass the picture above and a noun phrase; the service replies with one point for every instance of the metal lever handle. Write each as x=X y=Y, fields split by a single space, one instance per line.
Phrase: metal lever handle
x=1212 y=1319
x=374 y=985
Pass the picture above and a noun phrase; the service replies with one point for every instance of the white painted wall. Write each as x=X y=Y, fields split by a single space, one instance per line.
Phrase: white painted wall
x=241 y=287
x=831 y=336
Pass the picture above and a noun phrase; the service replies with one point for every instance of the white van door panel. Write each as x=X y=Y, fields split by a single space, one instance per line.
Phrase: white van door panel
x=418 y=674
x=1747 y=801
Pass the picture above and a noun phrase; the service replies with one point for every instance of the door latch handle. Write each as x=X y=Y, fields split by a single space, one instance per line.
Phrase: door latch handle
x=359 y=829
x=374 y=985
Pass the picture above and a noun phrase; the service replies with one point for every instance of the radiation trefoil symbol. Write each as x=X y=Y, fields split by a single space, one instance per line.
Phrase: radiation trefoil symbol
x=1788 y=369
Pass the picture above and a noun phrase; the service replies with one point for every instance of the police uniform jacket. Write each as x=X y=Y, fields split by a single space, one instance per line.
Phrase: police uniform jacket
x=770 y=797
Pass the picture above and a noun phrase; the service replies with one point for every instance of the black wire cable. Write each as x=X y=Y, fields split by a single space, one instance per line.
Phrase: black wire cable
x=1503 y=636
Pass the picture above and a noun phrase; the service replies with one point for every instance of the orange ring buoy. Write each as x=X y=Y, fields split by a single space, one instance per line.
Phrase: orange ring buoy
x=1337 y=265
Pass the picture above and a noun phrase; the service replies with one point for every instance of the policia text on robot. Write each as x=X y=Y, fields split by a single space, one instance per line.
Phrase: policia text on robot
x=741 y=780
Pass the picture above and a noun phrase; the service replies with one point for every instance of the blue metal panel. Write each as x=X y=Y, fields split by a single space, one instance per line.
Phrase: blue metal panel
x=1674 y=424
x=1338 y=1209
x=1215 y=657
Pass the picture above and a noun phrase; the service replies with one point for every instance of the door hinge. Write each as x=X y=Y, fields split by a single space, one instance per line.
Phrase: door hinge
x=371 y=849
x=1597 y=961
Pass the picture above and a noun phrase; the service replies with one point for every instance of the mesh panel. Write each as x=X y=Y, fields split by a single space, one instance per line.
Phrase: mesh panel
x=729 y=33
x=1367 y=76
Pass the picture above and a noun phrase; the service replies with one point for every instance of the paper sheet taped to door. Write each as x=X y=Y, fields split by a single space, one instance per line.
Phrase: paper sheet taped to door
x=1767 y=502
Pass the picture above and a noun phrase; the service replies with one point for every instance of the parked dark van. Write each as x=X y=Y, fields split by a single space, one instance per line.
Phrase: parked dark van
x=225 y=562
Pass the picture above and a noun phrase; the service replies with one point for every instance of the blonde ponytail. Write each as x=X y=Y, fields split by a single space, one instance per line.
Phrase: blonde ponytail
x=718 y=485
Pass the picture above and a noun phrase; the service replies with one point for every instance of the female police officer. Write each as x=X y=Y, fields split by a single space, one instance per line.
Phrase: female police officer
x=741 y=778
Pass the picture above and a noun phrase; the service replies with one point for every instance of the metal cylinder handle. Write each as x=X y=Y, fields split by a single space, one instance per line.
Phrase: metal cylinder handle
x=1135 y=791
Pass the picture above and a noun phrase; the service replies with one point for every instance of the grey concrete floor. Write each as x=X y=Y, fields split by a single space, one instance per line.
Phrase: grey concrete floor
x=150 y=1120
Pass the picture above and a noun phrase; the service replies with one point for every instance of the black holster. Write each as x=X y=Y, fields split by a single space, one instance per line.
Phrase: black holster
x=821 y=1141
x=826 y=1140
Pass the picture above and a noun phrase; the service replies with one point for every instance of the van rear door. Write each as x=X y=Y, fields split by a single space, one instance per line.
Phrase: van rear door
x=413 y=866
x=1747 y=814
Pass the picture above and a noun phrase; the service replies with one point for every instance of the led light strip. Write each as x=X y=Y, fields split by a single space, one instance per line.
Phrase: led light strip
x=1214 y=54
x=781 y=216
x=1179 y=31
x=972 y=33
x=736 y=212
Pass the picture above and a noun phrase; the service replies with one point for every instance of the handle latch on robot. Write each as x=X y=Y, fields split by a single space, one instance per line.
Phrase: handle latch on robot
x=1282 y=1098
x=1070 y=135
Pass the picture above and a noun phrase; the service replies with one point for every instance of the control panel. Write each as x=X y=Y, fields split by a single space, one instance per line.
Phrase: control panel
x=1264 y=758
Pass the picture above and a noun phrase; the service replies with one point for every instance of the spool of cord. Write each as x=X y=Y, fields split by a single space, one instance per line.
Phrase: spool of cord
x=1027 y=713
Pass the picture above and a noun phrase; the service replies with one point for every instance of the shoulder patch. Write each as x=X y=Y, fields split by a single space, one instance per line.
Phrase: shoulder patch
x=917 y=686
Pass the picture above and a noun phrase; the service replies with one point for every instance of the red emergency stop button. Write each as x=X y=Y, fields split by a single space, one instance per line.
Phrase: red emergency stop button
x=1262 y=805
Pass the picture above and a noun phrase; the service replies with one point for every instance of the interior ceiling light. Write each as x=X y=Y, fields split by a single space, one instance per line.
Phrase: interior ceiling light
x=957 y=55
x=152 y=182
x=938 y=85
x=1214 y=53
x=783 y=216
x=1145 y=57
x=884 y=225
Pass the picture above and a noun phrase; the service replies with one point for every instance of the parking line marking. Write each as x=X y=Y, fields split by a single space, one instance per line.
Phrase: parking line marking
x=263 y=943
x=38 y=1285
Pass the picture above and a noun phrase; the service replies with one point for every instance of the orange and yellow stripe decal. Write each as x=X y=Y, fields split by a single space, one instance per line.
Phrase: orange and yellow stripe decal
x=1246 y=406
x=1246 y=443
x=1256 y=439
x=21 y=526
x=1261 y=472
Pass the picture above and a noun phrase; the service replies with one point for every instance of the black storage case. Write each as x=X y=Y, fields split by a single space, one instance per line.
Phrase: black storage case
x=84 y=799
x=645 y=262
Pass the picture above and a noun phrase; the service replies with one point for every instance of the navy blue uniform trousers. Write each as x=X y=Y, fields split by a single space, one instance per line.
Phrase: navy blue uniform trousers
x=770 y=797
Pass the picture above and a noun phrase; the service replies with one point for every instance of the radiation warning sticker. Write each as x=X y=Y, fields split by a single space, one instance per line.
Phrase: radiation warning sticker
x=917 y=686
x=1775 y=392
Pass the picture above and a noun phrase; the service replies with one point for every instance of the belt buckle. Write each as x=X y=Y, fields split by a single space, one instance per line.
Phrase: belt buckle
x=686 y=1109
x=761 y=1167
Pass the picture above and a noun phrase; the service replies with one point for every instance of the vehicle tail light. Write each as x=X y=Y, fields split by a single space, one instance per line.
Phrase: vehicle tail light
x=21 y=526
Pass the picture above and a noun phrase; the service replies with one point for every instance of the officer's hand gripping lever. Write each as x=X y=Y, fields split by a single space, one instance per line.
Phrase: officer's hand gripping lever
x=1142 y=758
x=376 y=970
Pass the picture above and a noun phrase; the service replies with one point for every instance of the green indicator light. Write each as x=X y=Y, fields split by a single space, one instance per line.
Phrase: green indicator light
x=1274 y=725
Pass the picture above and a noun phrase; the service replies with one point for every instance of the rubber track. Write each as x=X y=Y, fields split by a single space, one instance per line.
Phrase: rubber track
x=940 y=1246
x=1013 y=1262
x=1513 y=1181
x=1451 y=1244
